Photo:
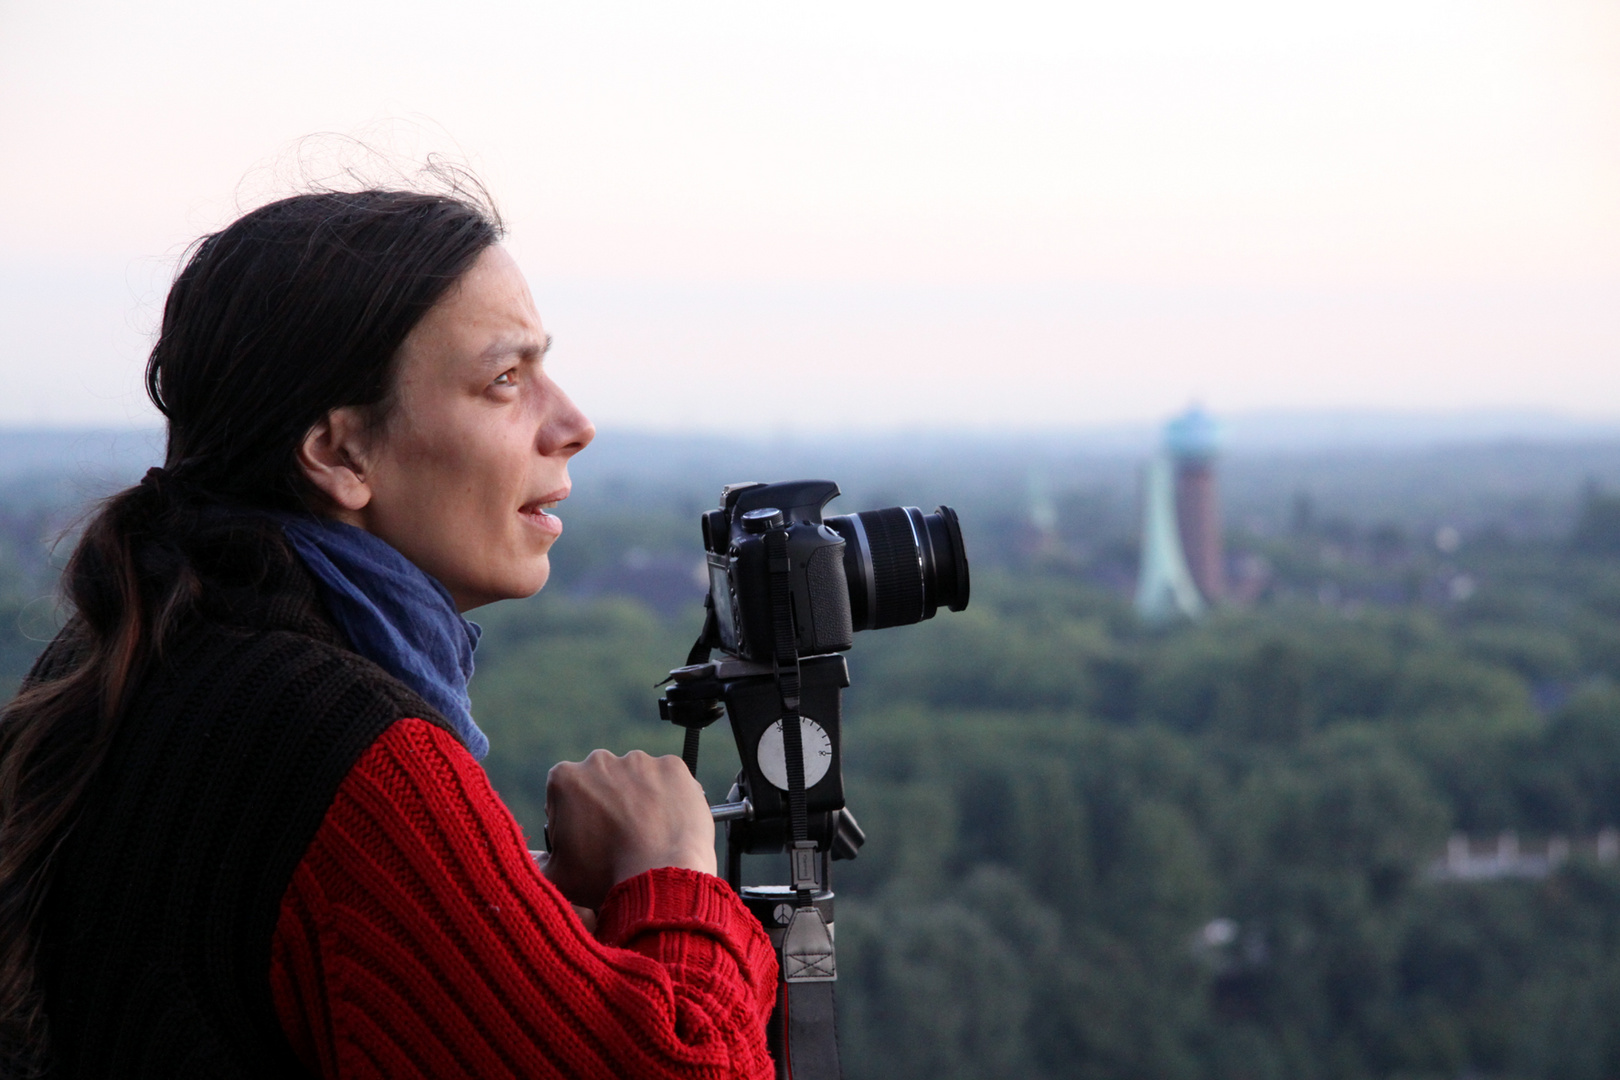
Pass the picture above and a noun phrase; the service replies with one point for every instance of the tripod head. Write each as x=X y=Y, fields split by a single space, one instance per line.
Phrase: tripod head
x=758 y=812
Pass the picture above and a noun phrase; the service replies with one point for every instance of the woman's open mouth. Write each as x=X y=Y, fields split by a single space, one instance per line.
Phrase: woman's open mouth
x=538 y=513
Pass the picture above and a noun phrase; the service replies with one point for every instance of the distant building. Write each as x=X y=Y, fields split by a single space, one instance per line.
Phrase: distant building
x=1182 y=567
x=1190 y=440
x=1164 y=587
x=1043 y=519
x=1503 y=857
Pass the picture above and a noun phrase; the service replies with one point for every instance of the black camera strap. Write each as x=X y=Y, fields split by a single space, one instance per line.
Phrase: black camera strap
x=785 y=660
x=808 y=967
x=707 y=638
x=701 y=649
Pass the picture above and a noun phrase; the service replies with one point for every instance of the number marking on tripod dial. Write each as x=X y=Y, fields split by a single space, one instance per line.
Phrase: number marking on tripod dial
x=772 y=755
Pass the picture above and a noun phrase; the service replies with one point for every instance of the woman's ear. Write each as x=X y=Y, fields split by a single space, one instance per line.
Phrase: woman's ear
x=333 y=456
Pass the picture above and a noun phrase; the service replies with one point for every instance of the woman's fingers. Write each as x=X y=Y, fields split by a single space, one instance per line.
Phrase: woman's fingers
x=611 y=817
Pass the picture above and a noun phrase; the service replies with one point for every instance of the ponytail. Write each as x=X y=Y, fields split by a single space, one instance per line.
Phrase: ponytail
x=54 y=734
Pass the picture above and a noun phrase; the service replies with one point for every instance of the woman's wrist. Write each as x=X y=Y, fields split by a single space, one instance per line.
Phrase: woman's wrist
x=690 y=858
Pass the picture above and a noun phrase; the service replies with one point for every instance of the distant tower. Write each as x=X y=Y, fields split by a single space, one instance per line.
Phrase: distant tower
x=1164 y=587
x=1043 y=517
x=1190 y=440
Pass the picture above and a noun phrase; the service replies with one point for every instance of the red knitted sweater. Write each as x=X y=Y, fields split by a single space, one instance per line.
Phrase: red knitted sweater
x=417 y=939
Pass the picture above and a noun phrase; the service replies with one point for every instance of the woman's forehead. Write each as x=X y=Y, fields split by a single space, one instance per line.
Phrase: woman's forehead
x=488 y=314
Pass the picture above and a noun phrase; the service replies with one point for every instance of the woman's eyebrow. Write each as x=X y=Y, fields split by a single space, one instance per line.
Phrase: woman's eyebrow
x=523 y=346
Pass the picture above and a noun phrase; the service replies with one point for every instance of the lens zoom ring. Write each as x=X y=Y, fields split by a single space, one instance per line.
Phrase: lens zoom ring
x=894 y=567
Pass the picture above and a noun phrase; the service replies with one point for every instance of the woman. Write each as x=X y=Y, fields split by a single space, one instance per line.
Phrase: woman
x=242 y=827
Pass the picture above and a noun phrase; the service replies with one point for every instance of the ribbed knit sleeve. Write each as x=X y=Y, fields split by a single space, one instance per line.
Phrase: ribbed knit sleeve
x=417 y=939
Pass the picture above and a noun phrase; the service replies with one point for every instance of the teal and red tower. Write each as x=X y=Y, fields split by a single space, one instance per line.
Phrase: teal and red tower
x=1183 y=564
x=1190 y=440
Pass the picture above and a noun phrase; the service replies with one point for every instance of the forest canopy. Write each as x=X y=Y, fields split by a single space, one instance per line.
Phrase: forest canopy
x=1358 y=824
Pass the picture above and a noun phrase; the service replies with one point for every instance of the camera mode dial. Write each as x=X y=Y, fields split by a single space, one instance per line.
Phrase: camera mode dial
x=762 y=520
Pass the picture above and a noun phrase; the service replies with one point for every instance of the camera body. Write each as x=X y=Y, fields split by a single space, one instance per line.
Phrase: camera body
x=850 y=572
x=740 y=568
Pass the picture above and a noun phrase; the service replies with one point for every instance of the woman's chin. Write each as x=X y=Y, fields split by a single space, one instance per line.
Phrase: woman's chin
x=534 y=578
x=517 y=586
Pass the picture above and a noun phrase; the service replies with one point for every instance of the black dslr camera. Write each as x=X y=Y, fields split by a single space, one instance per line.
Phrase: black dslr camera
x=788 y=588
x=864 y=571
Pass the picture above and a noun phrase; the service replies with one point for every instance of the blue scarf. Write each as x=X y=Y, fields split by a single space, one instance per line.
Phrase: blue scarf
x=395 y=615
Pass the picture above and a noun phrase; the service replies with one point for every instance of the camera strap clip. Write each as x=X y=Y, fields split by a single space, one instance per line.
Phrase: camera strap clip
x=805 y=866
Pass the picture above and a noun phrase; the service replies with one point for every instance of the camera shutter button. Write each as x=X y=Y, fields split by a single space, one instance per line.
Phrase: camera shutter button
x=762 y=520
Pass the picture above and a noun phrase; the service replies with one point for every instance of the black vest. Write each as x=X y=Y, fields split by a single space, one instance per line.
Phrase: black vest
x=164 y=899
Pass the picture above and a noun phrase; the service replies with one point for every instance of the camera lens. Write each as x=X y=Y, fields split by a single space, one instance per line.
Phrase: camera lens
x=902 y=565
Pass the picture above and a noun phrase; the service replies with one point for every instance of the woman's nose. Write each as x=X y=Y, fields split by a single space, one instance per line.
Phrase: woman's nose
x=568 y=430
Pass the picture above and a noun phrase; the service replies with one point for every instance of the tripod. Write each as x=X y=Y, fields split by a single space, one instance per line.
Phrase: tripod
x=789 y=796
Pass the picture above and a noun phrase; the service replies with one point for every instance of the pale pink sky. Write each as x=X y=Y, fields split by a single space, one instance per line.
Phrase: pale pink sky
x=864 y=214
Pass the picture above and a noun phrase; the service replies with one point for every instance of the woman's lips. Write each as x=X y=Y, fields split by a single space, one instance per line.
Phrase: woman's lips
x=536 y=513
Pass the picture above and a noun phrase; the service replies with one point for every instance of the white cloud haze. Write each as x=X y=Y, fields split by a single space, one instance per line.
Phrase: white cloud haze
x=1024 y=214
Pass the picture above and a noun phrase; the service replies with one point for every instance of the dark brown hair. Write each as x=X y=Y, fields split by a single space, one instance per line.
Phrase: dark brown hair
x=295 y=309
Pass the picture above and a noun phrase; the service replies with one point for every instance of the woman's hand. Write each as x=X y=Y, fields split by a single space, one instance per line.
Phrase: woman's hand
x=610 y=818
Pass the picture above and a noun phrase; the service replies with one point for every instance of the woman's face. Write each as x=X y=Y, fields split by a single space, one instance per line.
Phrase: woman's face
x=474 y=451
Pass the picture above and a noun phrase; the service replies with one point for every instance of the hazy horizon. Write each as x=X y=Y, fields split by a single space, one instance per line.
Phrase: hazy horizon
x=1244 y=429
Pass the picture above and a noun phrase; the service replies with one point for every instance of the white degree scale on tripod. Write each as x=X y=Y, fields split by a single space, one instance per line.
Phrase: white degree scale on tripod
x=772 y=757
